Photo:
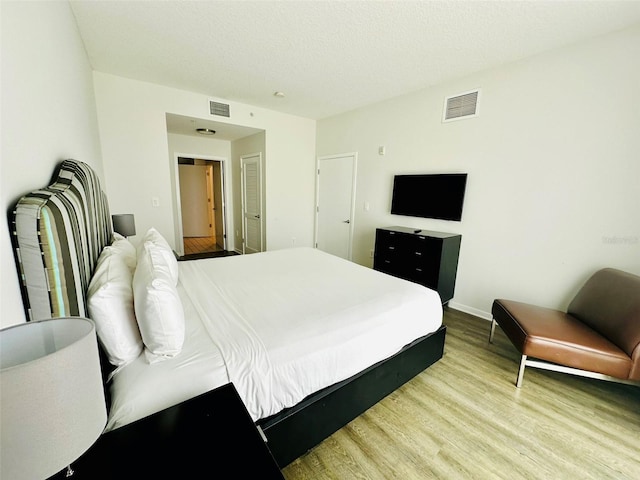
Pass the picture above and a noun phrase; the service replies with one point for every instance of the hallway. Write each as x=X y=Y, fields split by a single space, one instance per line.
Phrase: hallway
x=194 y=245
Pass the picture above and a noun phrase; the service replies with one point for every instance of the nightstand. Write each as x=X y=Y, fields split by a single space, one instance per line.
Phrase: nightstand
x=209 y=436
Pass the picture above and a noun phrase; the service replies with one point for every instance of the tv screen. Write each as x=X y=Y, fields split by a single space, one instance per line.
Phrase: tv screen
x=438 y=196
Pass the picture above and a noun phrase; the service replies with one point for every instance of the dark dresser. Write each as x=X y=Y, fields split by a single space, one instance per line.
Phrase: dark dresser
x=422 y=256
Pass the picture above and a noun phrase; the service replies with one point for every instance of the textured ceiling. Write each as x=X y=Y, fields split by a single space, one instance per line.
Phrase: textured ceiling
x=328 y=56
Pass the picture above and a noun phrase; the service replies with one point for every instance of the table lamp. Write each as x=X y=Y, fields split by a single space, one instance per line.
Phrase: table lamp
x=52 y=404
x=124 y=224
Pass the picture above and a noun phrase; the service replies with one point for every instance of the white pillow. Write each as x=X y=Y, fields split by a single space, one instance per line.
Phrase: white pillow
x=123 y=247
x=110 y=305
x=157 y=305
x=162 y=246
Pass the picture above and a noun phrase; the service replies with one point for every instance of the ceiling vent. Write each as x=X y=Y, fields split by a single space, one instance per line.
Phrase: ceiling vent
x=219 y=109
x=463 y=105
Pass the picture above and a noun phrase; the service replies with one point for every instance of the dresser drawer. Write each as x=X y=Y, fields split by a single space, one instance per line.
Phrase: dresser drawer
x=423 y=275
x=388 y=241
x=391 y=252
x=424 y=252
x=424 y=257
x=390 y=264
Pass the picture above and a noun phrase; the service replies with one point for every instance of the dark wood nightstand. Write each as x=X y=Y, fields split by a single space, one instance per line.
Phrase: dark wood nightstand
x=209 y=436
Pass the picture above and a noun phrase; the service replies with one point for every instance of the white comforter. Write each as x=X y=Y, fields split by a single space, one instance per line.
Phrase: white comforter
x=282 y=324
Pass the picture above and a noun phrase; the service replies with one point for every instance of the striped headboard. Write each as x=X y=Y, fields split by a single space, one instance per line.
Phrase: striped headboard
x=58 y=234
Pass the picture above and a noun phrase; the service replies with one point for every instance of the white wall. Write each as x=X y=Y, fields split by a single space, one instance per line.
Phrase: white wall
x=48 y=114
x=553 y=159
x=554 y=173
x=131 y=116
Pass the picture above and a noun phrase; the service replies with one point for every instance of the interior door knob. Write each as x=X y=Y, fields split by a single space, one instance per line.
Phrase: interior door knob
x=346 y=221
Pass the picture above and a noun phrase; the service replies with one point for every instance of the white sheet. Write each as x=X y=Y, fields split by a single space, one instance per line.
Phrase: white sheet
x=140 y=389
x=280 y=325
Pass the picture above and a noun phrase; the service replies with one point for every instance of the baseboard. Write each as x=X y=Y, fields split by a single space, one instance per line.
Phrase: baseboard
x=470 y=310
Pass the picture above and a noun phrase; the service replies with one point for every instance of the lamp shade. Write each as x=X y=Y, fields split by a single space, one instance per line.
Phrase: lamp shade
x=52 y=404
x=124 y=224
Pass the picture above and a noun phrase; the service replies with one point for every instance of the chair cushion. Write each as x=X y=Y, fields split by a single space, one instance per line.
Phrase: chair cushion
x=609 y=302
x=560 y=338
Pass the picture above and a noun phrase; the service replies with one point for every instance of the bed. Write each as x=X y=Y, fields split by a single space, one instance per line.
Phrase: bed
x=309 y=340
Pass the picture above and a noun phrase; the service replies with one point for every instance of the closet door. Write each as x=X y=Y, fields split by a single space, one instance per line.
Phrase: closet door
x=251 y=168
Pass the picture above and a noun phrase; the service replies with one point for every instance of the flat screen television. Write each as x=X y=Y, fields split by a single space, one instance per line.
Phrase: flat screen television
x=438 y=195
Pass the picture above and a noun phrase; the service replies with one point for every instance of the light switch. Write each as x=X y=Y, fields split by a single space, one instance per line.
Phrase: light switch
x=155 y=201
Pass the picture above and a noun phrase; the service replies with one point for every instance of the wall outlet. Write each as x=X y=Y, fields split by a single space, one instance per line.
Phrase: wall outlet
x=155 y=201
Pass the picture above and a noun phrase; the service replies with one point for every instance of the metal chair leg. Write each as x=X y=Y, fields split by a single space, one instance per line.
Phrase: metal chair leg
x=493 y=329
x=523 y=362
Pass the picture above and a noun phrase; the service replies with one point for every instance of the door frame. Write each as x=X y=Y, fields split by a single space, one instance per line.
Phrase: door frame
x=261 y=184
x=352 y=212
x=178 y=203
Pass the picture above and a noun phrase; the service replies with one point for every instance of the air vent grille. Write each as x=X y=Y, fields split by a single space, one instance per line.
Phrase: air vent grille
x=220 y=109
x=461 y=106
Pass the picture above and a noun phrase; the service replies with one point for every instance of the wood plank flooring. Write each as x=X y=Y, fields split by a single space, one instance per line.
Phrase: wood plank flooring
x=464 y=418
x=195 y=245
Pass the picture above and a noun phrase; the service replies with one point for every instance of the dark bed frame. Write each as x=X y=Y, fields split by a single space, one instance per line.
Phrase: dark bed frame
x=296 y=430
x=290 y=433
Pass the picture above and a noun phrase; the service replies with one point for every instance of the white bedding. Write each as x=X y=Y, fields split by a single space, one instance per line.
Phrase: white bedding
x=280 y=325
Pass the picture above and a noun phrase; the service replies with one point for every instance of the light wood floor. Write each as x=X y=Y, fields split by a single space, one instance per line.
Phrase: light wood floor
x=464 y=418
x=193 y=245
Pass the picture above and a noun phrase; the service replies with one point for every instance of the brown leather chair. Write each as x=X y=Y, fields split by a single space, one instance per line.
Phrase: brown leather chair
x=598 y=336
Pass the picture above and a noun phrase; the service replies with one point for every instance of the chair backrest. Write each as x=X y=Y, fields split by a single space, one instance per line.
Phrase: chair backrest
x=609 y=302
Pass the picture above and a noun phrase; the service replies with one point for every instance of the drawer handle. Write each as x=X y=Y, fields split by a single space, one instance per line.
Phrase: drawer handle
x=392 y=248
x=387 y=261
x=418 y=269
x=419 y=253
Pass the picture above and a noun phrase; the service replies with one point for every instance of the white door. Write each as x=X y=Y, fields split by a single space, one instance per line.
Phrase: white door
x=195 y=201
x=335 y=201
x=251 y=169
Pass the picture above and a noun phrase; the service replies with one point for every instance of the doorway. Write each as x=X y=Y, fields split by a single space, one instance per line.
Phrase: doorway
x=335 y=203
x=202 y=205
